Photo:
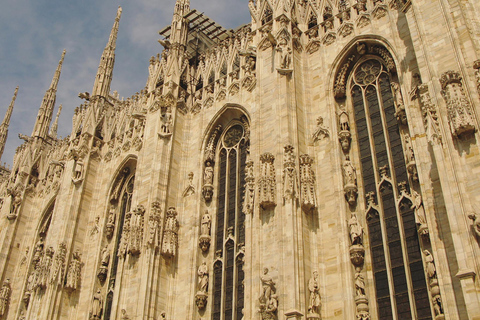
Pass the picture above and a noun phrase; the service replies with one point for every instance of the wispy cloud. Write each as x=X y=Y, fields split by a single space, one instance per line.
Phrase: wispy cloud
x=35 y=32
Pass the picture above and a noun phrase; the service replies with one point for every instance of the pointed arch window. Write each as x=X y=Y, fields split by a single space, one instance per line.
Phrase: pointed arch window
x=120 y=202
x=399 y=277
x=228 y=292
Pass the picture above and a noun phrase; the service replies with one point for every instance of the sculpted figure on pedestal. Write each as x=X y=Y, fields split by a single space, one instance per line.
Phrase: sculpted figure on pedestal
x=475 y=217
x=356 y=230
x=315 y=301
x=74 y=272
x=97 y=306
x=359 y=284
x=5 y=297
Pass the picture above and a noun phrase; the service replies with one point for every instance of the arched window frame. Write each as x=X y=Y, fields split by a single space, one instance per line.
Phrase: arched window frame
x=385 y=187
x=229 y=240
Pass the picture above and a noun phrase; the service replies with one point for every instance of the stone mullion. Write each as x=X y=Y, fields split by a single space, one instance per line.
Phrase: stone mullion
x=455 y=201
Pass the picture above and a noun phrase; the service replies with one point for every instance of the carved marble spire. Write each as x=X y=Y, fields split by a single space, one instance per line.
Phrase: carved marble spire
x=45 y=112
x=54 y=129
x=6 y=123
x=105 y=69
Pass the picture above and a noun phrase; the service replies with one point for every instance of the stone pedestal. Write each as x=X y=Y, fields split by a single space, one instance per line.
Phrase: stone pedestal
x=293 y=315
x=204 y=242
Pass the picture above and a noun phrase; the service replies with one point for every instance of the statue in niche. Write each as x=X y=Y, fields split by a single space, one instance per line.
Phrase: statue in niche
x=208 y=175
x=430 y=265
x=285 y=54
x=96 y=227
x=315 y=302
x=74 y=272
x=136 y=230
x=420 y=216
x=359 y=284
x=5 y=297
x=476 y=223
x=249 y=66
x=97 y=306
x=399 y=104
x=78 y=171
x=356 y=230
x=437 y=305
x=167 y=121
x=16 y=201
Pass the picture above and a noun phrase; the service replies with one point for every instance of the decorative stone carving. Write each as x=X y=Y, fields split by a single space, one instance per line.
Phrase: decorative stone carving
x=38 y=252
x=96 y=227
x=350 y=182
x=344 y=135
x=268 y=299
x=321 y=132
x=476 y=66
x=167 y=123
x=15 y=202
x=5 y=297
x=110 y=226
x=429 y=113
x=74 y=272
x=290 y=180
x=399 y=104
x=361 y=300
x=315 y=302
x=460 y=114
x=356 y=230
x=285 y=55
x=78 y=171
x=135 y=238
x=58 y=271
x=410 y=158
x=249 y=200
x=97 y=306
x=433 y=283
x=340 y=87
x=43 y=270
x=102 y=273
x=206 y=224
x=307 y=183
x=202 y=293
x=124 y=315
x=153 y=240
x=207 y=189
x=475 y=217
x=190 y=189
x=420 y=217
x=170 y=235
x=267 y=181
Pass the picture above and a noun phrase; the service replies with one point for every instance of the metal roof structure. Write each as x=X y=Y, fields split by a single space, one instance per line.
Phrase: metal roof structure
x=198 y=22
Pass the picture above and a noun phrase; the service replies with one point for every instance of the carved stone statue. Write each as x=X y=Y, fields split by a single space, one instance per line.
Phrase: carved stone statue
x=420 y=216
x=5 y=297
x=38 y=253
x=97 y=306
x=102 y=273
x=42 y=273
x=74 y=272
x=268 y=287
x=167 y=121
x=248 y=204
x=315 y=302
x=290 y=180
x=356 y=230
x=399 y=104
x=307 y=183
x=350 y=181
x=359 y=284
x=206 y=224
x=430 y=265
x=476 y=223
x=78 y=171
x=208 y=181
x=110 y=226
x=285 y=54
x=321 y=132
x=201 y=296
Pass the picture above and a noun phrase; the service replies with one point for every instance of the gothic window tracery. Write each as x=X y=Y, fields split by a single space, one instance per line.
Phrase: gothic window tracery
x=399 y=278
x=120 y=204
x=228 y=275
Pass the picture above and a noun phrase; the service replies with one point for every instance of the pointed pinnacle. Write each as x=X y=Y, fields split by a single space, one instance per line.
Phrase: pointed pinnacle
x=113 y=35
x=56 y=77
x=54 y=129
x=8 y=115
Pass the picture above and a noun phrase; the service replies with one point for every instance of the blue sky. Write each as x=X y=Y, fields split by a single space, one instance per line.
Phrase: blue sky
x=33 y=34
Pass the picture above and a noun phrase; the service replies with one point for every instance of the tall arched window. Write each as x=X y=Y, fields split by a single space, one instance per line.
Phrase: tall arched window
x=400 y=285
x=228 y=275
x=120 y=205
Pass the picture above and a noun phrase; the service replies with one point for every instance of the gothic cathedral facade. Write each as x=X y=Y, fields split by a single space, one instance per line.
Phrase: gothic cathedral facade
x=317 y=163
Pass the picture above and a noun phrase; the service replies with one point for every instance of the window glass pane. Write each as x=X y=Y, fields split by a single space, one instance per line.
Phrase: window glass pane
x=229 y=281
x=221 y=200
x=232 y=188
x=217 y=291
